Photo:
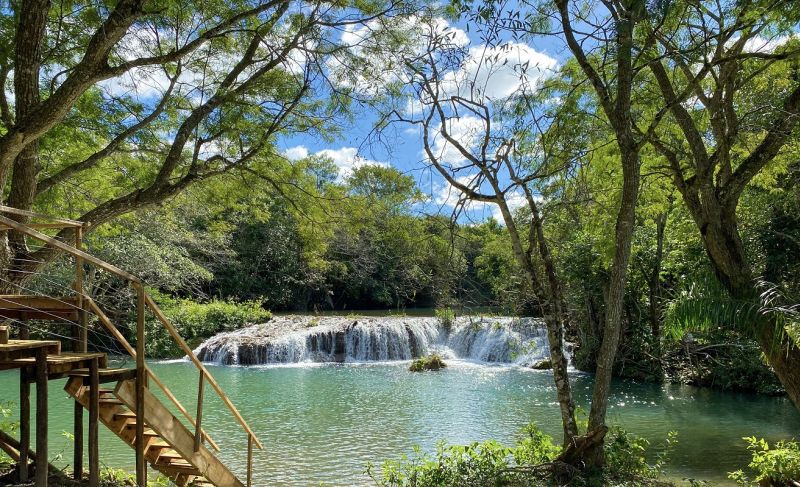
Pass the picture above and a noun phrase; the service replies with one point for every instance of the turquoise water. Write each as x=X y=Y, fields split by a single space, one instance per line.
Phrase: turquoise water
x=324 y=423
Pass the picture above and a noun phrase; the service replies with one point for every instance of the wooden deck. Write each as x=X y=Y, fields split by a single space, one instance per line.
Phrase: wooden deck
x=25 y=307
x=128 y=409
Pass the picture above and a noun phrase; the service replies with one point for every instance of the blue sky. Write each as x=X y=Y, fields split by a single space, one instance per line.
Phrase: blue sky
x=405 y=143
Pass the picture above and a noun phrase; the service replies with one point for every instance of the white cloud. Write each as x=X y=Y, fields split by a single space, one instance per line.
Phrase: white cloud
x=467 y=131
x=492 y=73
x=379 y=67
x=514 y=201
x=346 y=159
x=763 y=45
x=296 y=153
x=446 y=194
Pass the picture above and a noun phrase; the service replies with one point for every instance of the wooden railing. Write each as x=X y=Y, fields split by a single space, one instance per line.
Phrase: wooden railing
x=143 y=302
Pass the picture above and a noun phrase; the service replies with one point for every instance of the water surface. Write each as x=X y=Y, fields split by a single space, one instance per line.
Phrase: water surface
x=323 y=423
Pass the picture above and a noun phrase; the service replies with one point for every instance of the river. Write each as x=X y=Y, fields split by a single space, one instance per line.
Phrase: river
x=325 y=422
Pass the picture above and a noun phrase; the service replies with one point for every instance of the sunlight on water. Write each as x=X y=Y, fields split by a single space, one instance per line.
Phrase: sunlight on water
x=323 y=423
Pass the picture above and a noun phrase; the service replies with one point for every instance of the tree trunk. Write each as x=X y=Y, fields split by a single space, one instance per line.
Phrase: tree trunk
x=553 y=317
x=614 y=302
x=654 y=282
x=30 y=30
x=720 y=234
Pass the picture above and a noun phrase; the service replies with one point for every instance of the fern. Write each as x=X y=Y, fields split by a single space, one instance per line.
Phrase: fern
x=705 y=306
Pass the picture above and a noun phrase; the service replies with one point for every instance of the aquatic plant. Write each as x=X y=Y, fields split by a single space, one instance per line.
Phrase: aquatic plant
x=433 y=361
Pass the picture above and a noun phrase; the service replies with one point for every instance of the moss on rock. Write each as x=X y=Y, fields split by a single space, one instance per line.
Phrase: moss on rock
x=433 y=361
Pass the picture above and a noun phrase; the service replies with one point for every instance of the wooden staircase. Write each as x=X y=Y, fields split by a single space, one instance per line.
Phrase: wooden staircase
x=130 y=410
x=169 y=445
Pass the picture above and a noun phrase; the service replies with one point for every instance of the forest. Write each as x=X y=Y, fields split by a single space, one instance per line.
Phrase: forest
x=619 y=171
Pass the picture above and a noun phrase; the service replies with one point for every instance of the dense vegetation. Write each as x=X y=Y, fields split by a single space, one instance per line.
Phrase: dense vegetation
x=646 y=184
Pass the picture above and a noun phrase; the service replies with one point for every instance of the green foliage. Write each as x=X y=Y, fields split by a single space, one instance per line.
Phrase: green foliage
x=197 y=321
x=446 y=317
x=9 y=427
x=527 y=462
x=778 y=465
x=626 y=455
x=433 y=361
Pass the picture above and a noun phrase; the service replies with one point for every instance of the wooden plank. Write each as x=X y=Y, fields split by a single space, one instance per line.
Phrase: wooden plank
x=34 y=302
x=42 y=226
x=198 y=432
x=53 y=347
x=68 y=249
x=77 y=433
x=24 y=315
x=160 y=419
x=94 y=406
x=141 y=473
x=16 y=211
x=249 y=461
x=41 y=473
x=58 y=366
x=105 y=375
x=83 y=321
x=127 y=346
x=24 y=424
x=190 y=353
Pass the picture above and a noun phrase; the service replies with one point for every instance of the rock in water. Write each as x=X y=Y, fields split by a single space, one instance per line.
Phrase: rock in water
x=431 y=362
x=545 y=364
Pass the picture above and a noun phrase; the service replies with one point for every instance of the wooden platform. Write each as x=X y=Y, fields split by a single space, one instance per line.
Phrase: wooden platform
x=31 y=307
x=129 y=409
x=21 y=349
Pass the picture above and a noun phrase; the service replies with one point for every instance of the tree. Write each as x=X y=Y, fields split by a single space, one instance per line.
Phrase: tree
x=466 y=142
x=176 y=93
x=729 y=88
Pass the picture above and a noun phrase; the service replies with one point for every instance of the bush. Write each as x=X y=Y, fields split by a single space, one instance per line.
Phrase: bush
x=446 y=317
x=198 y=321
x=433 y=361
x=772 y=466
x=531 y=461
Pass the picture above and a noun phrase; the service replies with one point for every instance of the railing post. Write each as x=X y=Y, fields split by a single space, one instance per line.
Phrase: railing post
x=198 y=429
x=83 y=332
x=249 y=460
x=141 y=467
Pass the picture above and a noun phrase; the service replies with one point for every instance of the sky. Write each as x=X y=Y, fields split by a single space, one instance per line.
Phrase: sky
x=402 y=145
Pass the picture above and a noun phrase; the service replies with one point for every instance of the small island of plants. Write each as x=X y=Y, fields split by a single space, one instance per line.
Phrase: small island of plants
x=433 y=361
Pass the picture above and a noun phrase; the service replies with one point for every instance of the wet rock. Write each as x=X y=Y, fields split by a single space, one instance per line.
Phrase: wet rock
x=545 y=364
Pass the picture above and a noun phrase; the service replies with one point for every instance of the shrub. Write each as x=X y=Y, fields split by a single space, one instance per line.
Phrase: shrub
x=446 y=317
x=197 y=321
x=531 y=461
x=772 y=466
x=433 y=361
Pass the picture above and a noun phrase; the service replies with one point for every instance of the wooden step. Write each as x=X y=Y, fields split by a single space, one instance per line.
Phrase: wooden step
x=161 y=420
x=31 y=307
x=58 y=366
x=106 y=375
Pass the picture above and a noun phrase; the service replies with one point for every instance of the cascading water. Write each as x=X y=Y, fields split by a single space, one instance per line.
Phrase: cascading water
x=296 y=339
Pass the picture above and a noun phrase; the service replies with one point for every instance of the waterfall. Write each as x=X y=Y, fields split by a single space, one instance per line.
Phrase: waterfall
x=296 y=339
x=506 y=340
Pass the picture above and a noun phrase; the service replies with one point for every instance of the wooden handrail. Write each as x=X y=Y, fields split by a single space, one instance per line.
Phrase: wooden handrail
x=65 y=222
x=190 y=353
x=104 y=319
x=144 y=301
x=198 y=433
x=68 y=249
